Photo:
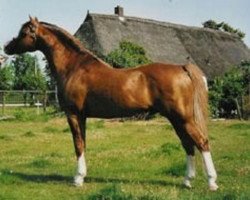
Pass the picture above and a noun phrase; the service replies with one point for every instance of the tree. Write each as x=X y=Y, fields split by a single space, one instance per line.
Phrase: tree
x=245 y=67
x=215 y=96
x=233 y=89
x=227 y=28
x=211 y=24
x=28 y=74
x=223 y=27
x=127 y=55
x=226 y=91
x=6 y=77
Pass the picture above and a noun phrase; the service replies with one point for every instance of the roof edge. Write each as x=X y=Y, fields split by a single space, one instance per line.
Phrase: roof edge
x=91 y=16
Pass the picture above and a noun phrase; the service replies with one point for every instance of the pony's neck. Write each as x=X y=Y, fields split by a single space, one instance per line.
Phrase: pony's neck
x=56 y=54
x=61 y=53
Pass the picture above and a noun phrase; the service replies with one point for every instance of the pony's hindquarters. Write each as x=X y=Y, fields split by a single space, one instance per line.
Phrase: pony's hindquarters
x=200 y=119
x=187 y=111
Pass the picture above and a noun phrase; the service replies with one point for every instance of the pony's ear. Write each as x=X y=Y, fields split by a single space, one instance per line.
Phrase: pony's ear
x=34 y=20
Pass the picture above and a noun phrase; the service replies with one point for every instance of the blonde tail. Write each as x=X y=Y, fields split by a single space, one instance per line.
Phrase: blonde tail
x=200 y=97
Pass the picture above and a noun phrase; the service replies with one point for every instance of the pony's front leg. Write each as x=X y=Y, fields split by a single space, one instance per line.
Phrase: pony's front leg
x=77 y=125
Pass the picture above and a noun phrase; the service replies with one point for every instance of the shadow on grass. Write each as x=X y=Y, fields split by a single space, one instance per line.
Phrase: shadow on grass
x=130 y=181
x=38 y=178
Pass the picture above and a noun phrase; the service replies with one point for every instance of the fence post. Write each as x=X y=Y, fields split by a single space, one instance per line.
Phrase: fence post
x=3 y=103
x=45 y=101
x=56 y=95
x=25 y=98
x=238 y=108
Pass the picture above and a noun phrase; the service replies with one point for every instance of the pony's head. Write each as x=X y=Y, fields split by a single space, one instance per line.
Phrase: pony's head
x=26 y=41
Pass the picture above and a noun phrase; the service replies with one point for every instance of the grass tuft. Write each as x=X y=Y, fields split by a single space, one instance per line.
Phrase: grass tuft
x=39 y=163
x=240 y=126
x=177 y=170
x=29 y=134
x=170 y=148
x=5 y=137
x=109 y=193
x=94 y=125
x=50 y=129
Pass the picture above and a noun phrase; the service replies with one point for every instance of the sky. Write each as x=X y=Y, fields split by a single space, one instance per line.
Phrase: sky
x=70 y=14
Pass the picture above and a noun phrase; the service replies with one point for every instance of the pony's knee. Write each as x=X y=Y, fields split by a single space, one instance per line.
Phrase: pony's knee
x=203 y=145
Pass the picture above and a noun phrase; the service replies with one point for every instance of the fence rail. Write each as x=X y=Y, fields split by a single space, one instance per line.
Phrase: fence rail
x=27 y=98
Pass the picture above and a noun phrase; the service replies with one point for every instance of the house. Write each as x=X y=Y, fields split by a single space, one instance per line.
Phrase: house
x=213 y=51
x=2 y=59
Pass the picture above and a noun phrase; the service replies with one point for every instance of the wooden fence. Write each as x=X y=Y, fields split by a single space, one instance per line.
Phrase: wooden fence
x=27 y=98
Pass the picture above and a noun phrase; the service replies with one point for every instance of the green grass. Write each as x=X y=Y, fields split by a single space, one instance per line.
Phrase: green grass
x=126 y=160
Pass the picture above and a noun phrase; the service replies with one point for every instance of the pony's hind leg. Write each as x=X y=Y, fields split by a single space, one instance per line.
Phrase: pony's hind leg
x=190 y=137
x=188 y=145
x=201 y=142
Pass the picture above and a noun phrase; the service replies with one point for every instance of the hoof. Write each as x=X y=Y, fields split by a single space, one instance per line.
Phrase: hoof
x=213 y=187
x=78 y=184
x=187 y=184
x=78 y=180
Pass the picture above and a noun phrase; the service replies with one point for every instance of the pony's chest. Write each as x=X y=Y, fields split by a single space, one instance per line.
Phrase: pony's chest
x=74 y=93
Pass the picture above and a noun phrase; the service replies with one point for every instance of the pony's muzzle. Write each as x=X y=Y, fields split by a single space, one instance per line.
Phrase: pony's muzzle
x=9 y=46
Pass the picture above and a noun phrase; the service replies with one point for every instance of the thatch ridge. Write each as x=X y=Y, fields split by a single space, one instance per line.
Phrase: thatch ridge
x=158 y=23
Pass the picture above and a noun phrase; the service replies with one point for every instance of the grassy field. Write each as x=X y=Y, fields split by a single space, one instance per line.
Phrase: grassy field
x=126 y=160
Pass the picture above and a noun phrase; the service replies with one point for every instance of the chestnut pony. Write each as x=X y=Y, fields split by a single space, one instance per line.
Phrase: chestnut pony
x=89 y=87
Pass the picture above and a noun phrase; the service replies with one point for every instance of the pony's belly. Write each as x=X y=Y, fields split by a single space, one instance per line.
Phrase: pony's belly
x=110 y=109
x=112 y=112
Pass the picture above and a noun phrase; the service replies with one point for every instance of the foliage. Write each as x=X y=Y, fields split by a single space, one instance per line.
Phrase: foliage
x=245 y=67
x=226 y=90
x=223 y=27
x=28 y=74
x=212 y=24
x=6 y=77
x=51 y=82
x=127 y=55
x=215 y=96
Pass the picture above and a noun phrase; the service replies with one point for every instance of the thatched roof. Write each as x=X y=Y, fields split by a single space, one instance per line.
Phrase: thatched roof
x=213 y=51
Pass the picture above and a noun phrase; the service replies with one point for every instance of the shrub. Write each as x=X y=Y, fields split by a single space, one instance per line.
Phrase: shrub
x=127 y=55
x=226 y=92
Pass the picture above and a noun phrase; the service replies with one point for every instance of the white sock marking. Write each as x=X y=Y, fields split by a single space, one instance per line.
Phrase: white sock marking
x=190 y=171
x=211 y=173
x=81 y=170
